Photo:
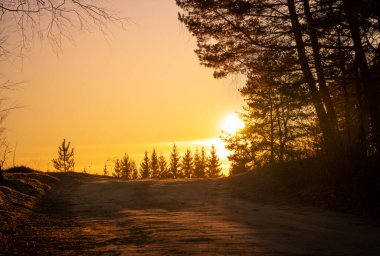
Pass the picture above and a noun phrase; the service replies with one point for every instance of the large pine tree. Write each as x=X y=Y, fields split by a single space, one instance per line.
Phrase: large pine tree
x=325 y=50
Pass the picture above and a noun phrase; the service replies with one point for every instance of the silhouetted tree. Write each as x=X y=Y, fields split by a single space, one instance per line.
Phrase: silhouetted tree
x=65 y=161
x=200 y=163
x=128 y=167
x=187 y=166
x=163 y=167
x=154 y=167
x=4 y=151
x=134 y=172
x=4 y=147
x=145 y=167
x=105 y=170
x=328 y=50
x=51 y=20
x=118 y=170
x=213 y=164
x=174 y=163
x=279 y=125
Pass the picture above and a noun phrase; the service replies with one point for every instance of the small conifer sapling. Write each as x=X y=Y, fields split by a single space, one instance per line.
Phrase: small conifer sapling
x=65 y=161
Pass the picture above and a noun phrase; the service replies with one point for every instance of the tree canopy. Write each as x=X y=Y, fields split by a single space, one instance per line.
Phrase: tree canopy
x=311 y=69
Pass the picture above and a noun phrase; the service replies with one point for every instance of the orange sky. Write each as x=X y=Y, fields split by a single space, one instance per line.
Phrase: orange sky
x=138 y=88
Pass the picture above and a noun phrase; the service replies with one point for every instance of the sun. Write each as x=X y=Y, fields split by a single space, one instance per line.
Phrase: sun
x=232 y=123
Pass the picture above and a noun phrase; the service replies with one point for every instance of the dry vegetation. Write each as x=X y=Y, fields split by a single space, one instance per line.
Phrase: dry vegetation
x=19 y=194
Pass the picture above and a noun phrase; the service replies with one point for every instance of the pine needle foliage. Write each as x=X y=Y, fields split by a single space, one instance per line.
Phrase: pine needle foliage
x=65 y=161
x=213 y=164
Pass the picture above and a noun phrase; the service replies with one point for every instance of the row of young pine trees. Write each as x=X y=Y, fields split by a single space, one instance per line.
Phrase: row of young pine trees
x=197 y=165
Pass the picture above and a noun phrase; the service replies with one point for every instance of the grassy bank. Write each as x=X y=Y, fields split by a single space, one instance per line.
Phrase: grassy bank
x=19 y=193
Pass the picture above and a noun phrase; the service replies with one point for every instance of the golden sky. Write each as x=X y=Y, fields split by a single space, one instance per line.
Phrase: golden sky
x=136 y=88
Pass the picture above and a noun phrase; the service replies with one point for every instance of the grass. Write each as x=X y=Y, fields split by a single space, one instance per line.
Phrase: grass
x=19 y=193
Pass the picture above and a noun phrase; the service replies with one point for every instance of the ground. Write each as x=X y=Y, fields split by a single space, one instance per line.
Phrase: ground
x=93 y=215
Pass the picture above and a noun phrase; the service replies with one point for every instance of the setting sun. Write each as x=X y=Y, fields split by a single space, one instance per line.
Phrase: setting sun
x=232 y=123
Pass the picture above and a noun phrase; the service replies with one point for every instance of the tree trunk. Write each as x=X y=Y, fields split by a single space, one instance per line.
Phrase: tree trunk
x=280 y=137
x=351 y=145
x=284 y=119
x=325 y=94
x=271 y=127
x=369 y=85
x=362 y=114
x=328 y=130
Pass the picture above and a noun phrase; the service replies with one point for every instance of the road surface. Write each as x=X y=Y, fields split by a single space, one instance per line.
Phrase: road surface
x=92 y=215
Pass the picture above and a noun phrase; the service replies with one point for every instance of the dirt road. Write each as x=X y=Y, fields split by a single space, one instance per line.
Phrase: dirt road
x=87 y=215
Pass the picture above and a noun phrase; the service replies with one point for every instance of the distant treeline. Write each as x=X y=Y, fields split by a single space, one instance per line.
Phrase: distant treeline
x=191 y=165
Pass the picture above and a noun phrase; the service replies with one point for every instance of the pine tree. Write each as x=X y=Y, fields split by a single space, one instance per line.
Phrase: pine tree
x=145 y=167
x=163 y=167
x=174 y=163
x=154 y=167
x=65 y=161
x=105 y=170
x=127 y=166
x=200 y=162
x=213 y=164
x=187 y=164
x=117 y=169
x=135 y=172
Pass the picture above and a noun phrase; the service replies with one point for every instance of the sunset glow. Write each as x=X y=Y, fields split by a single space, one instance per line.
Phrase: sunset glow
x=232 y=123
x=129 y=92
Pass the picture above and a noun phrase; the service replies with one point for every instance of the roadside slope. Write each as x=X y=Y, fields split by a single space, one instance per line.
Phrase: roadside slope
x=96 y=215
x=19 y=193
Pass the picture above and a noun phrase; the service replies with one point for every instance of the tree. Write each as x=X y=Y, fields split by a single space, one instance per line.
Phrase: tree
x=134 y=172
x=330 y=48
x=127 y=166
x=65 y=161
x=200 y=163
x=4 y=110
x=145 y=170
x=279 y=125
x=4 y=151
x=51 y=20
x=187 y=166
x=118 y=171
x=213 y=164
x=174 y=167
x=163 y=167
x=105 y=170
x=154 y=167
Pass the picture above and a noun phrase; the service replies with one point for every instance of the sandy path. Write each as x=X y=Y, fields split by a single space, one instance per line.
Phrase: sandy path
x=92 y=215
